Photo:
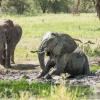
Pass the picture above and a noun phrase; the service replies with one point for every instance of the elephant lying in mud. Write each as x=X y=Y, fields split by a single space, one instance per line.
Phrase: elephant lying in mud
x=11 y=34
x=63 y=54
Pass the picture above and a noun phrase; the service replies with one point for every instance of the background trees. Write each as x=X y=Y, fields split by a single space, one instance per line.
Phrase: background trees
x=48 y=6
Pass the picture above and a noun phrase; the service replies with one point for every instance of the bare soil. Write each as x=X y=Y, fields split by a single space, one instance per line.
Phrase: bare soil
x=31 y=71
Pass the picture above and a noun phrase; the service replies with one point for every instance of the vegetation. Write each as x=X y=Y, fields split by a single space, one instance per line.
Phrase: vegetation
x=84 y=27
x=22 y=89
x=33 y=7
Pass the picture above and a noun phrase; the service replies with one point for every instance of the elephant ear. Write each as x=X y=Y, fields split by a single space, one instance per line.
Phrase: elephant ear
x=69 y=44
x=65 y=44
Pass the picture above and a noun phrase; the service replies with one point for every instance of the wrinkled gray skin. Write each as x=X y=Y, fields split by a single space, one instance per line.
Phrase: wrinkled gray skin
x=12 y=34
x=75 y=66
x=3 y=43
x=58 y=47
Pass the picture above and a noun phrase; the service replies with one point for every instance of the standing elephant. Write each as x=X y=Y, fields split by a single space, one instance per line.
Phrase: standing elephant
x=56 y=45
x=13 y=33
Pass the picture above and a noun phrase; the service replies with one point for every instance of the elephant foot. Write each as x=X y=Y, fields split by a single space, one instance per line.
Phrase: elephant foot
x=7 y=66
x=42 y=74
x=2 y=62
x=39 y=76
x=12 y=62
x=48 y=76
x=44 y=77
x=70 y=77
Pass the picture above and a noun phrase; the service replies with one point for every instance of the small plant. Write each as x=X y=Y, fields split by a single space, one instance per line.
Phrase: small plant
x=89 y=50
x=97 y=51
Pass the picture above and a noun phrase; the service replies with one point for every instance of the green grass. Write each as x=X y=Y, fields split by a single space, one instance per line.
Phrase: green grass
x=94 y=68
x=85 y=27
x=11 y=88
x=15 y=90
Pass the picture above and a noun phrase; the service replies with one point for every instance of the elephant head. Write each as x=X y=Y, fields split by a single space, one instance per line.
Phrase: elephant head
x=57 y=44
x=43 y=48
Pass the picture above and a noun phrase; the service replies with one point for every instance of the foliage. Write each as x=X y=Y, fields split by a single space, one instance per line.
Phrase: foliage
x=84 y=27
x=87 y=6
x=22 y=89
x=90 y=50
x=11 y=88
x=94 y=68
x=97 y=50
x=34 y=7
x=14 y=6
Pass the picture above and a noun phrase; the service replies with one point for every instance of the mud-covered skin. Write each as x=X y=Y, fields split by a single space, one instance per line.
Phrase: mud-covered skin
x=76 y=65
x=57 y=45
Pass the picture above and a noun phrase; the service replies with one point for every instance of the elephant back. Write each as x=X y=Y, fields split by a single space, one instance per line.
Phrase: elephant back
x=16 y=33
x=69 y=45
x=65 y=44
x=7 y=26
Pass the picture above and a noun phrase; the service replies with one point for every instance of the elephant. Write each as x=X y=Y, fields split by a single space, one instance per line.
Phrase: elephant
x=12 y=33
x=77 y=64
x=3 y=43
x=63 y=54
x=57 y=44
x=16 y=36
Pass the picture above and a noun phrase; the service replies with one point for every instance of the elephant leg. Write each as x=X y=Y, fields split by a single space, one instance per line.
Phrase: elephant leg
x=2 y=62
x=7 y=56
x=12 y=55
x=60 y=65
x=47 y=68
x=86 y=69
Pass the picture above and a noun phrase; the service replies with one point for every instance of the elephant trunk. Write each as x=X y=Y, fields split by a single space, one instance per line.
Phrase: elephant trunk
x=41 y=55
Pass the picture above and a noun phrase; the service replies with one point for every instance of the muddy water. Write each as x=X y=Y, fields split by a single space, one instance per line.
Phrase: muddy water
x=26 y=71
x=90 y=82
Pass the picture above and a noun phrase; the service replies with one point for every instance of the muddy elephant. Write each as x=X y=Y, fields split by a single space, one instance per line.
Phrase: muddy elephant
x=13 y=33
x=63 y=55
x=56 y=45
x=76 y=65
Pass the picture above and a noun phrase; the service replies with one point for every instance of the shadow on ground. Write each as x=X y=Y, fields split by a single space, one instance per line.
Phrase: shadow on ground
x=24 y=66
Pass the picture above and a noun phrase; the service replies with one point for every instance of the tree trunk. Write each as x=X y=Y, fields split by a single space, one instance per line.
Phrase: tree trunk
x=98 y=8
x=76 y=7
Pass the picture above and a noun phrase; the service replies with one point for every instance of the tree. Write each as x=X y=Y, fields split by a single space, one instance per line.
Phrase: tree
x=17 y=5
x=87 y=6
x=98 y=8
x=0 y=2
x=76 y=6
x=43 y=4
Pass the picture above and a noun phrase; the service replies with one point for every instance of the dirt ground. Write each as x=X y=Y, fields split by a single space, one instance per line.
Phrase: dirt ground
x=30 y=72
